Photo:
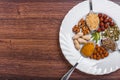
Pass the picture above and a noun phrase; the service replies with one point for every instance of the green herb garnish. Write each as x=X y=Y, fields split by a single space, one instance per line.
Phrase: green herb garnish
x=96 y=36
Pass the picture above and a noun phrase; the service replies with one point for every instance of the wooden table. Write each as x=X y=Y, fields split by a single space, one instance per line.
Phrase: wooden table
x=29 y=41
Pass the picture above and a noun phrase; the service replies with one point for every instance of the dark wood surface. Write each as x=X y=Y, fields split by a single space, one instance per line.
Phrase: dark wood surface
x=29 y=41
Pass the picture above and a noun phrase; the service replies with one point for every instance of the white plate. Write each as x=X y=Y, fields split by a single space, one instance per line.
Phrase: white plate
x=100 y=67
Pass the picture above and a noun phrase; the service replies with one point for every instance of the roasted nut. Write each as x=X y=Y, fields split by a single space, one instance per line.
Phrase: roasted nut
x=76 y=29
x=101 y=19
x=106 y=20
x=106 y=54
x=85 y=30
x=106 y=26
x=112 y=23
x=99 y=53
x=110 y=20
x=77 y=35
x=94 y=56
x=81 y=22
x=101 y=24
x=104 y=16
x=100 y=15
x=98 y=57
x=102 y=56
x=77 y=45
x=102 y=28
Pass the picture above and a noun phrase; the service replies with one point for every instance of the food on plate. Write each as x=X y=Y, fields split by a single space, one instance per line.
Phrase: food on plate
x=99 y=53
x=112 y=32
x=108 y=44
x=78 y=35
x=76 y=29
x=82 y=41
x=76 y=44
x=100 y=15
x=86 y=37
x=82 y=24
x=105 y=22
x=87 y=49
x=92 y=21
x=79 y=38
x=95 y=36
x=85 y=30
x=95 y=27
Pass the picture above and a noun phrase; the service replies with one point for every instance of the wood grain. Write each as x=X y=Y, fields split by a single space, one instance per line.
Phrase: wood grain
x=29 y=41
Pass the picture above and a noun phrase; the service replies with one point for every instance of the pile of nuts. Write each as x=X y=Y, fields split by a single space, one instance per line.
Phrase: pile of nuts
x=102 y=27
x=99 y=53
x=81 y=25
x=105 y=22
x=108 y=44
x=79 y=38
x=76 y=29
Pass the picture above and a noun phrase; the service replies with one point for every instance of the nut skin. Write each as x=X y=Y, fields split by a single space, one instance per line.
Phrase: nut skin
x=106 y=20
x=76 y=29
x=102 y=29
x=112 y=23
x=100 y=15
x=101 y=24
x=110 y=20
x=101 y=19
x=106 y=26
x=104 y=16
x=99 y=53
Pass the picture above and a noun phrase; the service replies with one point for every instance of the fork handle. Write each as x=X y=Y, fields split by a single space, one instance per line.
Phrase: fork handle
x=90 y=3
x=68 y=74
